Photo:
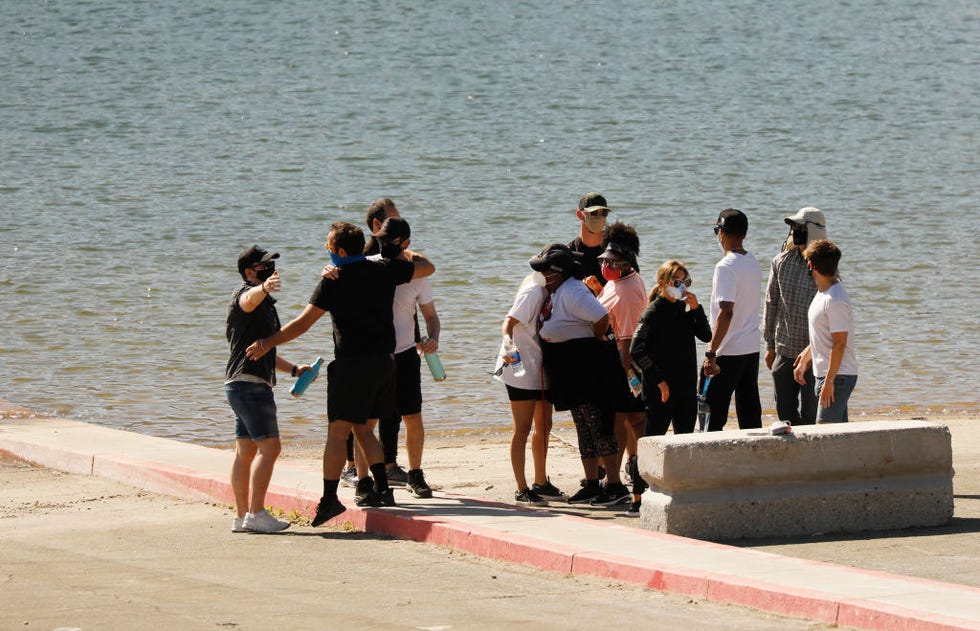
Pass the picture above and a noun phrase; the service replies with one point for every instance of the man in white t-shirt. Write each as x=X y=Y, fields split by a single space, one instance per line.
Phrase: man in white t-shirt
x=732 y=358
x=831 y=325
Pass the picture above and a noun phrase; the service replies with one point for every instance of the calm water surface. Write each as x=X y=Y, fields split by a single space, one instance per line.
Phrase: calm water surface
x=145 y=144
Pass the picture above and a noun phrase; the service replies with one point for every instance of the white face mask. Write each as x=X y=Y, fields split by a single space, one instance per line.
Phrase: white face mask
x=677 y=293
x=594 y=224
x=538 y=279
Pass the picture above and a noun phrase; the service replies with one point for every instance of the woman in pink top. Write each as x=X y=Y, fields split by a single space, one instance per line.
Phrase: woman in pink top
x=625 y=297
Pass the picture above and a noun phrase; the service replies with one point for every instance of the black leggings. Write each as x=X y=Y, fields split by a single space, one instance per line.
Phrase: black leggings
x=595 y=429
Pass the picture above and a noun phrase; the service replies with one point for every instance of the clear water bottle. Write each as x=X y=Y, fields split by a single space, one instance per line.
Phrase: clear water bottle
x=515 y=354
x=435 y=364
x=636 y=386
x=304 y=380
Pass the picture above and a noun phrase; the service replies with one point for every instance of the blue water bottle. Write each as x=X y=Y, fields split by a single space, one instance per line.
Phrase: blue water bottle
x=304 y=380
x=435 y=364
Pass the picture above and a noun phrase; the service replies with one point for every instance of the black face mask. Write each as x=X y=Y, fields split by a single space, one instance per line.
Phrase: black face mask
x=264 y=274
x=799 y=236
x=390 y=250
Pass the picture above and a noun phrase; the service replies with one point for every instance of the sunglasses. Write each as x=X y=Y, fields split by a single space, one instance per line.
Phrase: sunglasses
x=614 y=264
x=594 y=213
x=261 y=266
x=677 y=283
x=717 y=229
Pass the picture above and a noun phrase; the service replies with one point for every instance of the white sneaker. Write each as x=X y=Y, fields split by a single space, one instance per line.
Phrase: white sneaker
x=238 y=525
x=262 y=521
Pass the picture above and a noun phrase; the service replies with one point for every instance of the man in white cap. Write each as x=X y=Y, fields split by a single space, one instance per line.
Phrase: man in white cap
x=788 y=296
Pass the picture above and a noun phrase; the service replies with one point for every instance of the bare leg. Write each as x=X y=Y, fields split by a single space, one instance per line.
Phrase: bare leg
x=335 y=451
x=363 y=466
x=539 y=440
x=368 y=443
x=269 y=449
x=522 y=412
x=414 y=439
x=241 y=469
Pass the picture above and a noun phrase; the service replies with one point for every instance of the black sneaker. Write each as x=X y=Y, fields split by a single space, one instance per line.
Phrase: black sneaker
x=417 y=485
x=385 y=499
x=614 y=493
x=349 y=476
x=365 y=495
x=633 y=510
x=397 y=476
x=587 y=493
x=549 y=491
x=327 y=510
x=529 y=497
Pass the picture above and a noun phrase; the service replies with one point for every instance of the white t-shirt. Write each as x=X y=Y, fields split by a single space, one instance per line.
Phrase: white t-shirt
x=624 y=299
x=416 y=292
x=526 y=307
x=574 y=309
x=738 y=279
x=830 y=312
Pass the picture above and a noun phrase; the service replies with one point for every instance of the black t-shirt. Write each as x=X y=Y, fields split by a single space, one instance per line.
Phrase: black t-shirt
x=359 y=302
x=242 y=329
x=590 y=258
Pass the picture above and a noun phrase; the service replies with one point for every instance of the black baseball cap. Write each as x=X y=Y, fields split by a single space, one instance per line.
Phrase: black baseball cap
x=253 y=255
x=394 y=228
x=732 y=221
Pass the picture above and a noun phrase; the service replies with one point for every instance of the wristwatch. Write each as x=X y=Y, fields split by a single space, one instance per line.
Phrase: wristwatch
x=710 y=354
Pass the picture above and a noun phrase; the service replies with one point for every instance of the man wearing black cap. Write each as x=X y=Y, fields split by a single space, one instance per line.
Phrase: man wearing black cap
x=592 y=213
x=361 y=379
x=393 y=238
x=248 y=387
x=732 y=358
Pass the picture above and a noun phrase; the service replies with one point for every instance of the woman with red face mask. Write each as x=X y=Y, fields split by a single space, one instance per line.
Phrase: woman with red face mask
x=625 y=297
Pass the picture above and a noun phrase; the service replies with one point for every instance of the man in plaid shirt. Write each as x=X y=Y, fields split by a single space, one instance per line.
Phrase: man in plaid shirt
x=788 y=296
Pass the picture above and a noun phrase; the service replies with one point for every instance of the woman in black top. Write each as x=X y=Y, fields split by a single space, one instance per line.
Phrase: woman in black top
x=663 y=348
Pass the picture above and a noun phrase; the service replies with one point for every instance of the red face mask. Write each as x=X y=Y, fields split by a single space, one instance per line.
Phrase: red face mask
x=611 y=273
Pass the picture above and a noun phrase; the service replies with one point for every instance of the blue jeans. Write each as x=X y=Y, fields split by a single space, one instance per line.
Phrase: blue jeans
x=837 y=412
x=255 y=410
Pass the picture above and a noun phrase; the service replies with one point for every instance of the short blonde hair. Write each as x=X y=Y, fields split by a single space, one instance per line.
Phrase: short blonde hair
x=665 y=274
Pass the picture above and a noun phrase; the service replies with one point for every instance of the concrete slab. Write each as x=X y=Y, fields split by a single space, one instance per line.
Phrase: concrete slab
x=541 y=538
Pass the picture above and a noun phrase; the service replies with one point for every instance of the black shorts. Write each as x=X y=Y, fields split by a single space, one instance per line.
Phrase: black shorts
x=519 y=394
x=360 y=388
x=408 y=389
x=626 y=402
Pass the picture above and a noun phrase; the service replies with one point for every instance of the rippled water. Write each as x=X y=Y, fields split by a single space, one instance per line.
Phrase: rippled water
x=145 y=144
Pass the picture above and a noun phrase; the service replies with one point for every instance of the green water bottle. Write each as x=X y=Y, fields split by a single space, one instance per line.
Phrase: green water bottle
x=435 y=364
x=304 y=380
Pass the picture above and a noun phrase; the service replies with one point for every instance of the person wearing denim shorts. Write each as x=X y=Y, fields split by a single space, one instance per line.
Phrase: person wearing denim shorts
x=248 y=387
x=831 y=325
x=358 y=294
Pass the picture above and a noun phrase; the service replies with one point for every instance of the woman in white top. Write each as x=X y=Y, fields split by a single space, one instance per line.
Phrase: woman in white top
x=582 y=366
x=527 y=390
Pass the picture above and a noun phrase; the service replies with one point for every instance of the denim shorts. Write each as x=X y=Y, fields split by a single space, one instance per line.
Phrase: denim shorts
x=255 y=409
x=837 y=412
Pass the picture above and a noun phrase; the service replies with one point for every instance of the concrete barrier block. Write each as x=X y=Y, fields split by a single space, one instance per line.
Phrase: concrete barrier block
x=828 y=478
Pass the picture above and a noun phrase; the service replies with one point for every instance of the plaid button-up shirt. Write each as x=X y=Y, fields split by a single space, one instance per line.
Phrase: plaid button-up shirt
x=788 y=297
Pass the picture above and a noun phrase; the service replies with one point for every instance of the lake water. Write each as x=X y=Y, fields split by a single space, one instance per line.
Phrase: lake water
x=145 y=144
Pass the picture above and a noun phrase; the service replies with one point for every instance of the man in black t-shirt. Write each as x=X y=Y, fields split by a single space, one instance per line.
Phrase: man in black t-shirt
x=592 y=212
x=248 y=387
x=361 y=379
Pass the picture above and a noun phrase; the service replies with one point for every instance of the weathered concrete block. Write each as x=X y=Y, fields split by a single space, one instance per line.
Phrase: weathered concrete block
x=846 y=477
